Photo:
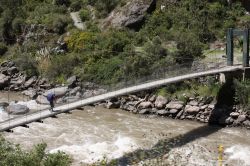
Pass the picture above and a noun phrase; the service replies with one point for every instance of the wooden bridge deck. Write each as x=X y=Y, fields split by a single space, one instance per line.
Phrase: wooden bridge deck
x=23 y=120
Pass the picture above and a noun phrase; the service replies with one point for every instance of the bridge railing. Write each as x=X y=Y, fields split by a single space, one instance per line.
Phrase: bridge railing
x=198 y=65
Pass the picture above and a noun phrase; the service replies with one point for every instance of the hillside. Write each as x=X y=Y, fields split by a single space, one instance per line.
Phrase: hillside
x=120 y=39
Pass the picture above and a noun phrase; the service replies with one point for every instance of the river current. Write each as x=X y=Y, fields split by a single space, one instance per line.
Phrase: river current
x=90 y=134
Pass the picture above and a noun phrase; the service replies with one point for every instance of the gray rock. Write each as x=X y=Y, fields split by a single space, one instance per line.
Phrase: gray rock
x=193 y=103
x=192 y=109
x=42 y=100
x=112 y=105
x=70 y=99
x=173 y=111
x=144 y=105
x=160 y=102
x=246 y=123
x=30 y=92
x=128 y=107
x=75 y=90
x=241 y=118
x=17 y=109
x=71 y=82
x=12 y=70
x=203 y=107
x=234 y=115
x=211 y=106
x=60 y=91
x=130 y=15
x=229 y=121
x=162 y=112
x=152 y=98
x=175 y=105
x=179 y=114
x=30 y=81
x=145 y=111
x=4 y=81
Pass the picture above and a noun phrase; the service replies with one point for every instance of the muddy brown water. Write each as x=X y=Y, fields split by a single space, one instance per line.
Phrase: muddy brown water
x=90 y=134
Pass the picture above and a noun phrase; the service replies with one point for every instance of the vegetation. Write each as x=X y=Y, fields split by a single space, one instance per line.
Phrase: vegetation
x=11 y=155
x=177 y=34
x=242 y=96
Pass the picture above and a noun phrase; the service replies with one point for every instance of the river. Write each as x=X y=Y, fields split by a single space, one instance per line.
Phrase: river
x=90 y=134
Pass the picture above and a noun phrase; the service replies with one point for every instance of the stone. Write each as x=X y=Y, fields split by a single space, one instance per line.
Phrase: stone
x=174 y=105
x=192 y=109
x=211 y=106
x=193 y=103
x=190 y=117
x=31 y=93
x=74 y=91
x=229 y=121
x=179 y=114
x=241 y=118
x=144 y=105
x=12 y=70
x=30 y=81
x=128 y=107
x=203 y=107
x=145 y=111
x=162 y=112
x=17 y=109
x=112 y=105
x=59 y=91
x=71 y=82
x=153 y=110
x=152 y=98
x=173 y=111
x=234 y=114
x=42 y=100
x=246 y=123
x=160 y=102
x=130 y=15
x=4 y=81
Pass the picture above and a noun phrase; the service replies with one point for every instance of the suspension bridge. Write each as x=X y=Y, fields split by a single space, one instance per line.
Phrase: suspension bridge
x=180 y=73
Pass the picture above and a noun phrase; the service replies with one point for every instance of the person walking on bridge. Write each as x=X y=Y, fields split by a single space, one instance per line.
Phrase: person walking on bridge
x=51 y=97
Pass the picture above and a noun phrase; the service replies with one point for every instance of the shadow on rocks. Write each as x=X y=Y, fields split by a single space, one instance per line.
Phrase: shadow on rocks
x=162 y=147
x=224 y=105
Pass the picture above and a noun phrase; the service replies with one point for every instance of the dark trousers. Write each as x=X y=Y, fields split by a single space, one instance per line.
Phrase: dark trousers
x=51 y=104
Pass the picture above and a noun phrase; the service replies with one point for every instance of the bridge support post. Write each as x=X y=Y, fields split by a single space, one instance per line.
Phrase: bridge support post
x=246 y=48
x=230 y=46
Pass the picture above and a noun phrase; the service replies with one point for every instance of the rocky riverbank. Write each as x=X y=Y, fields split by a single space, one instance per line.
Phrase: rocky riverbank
x=202 y=109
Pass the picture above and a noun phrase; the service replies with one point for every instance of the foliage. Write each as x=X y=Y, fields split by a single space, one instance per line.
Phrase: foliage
x=84 y=14
x=242 y=93
x=11 y=154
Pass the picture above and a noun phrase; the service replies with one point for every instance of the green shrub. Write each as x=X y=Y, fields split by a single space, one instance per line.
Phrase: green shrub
x=242 y=93
x=84 y=14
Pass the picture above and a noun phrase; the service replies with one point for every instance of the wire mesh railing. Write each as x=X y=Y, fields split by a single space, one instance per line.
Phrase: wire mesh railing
x=195 y=66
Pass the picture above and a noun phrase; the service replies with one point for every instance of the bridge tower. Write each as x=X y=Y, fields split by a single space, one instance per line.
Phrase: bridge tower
x=231 y=33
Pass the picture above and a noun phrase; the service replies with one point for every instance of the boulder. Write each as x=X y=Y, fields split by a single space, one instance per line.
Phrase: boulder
x=131 y=15
x=234 y=114
x=160 y=102
x=60 y=91
x=145 y=111
x=241 y=118
x=30 y=92
x=71 y=82
x=111 y=105
x=152 y=98
x=192 y=109
x=30 y=81
x=12 y=70
x=162 y=112
x=144 y=105
x=246 y=123
x=128 y=107
x=17 y=109
x=173 y=111
x=174 y=105
x=74 y=91
x=193 y=103
x=42 y=100
x=4 y=81
x=203 y=107
x=229 y=121
x=179 y=114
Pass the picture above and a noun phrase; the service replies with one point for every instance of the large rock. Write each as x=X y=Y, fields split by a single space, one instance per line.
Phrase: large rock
x=145 y=105
x=30 y=81
x=71 y=82
x=60 y=91
x=30 y=92
x=75 y=90
x=131 y=15
x=174 y=105
x=162 y=112
x=17 y=109
x=12 y=70
x=241 y=118
x=234 y=115
x=160 y=102
x=4 y=81
x=192 y=109
x=42 y=100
